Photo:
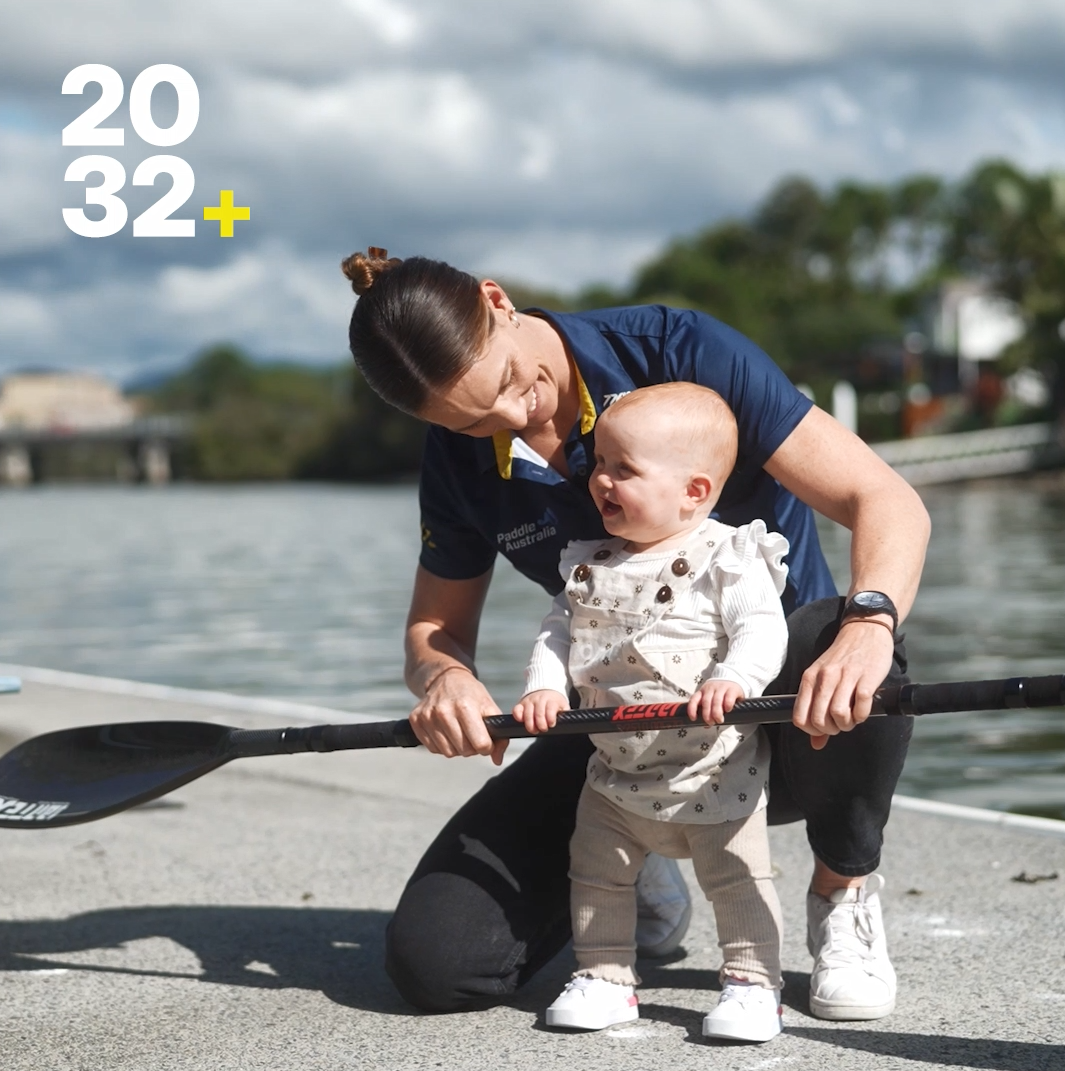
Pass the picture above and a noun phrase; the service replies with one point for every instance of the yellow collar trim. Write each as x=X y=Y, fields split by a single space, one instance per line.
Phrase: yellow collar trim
x=503 y=441
x=588 y=413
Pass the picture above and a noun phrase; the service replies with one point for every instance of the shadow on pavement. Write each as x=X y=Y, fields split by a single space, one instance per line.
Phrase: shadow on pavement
x=983 y=1054
x=339 y=953
x=659 y=975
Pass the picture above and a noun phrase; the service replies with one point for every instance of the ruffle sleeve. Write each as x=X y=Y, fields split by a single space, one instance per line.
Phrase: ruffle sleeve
x=752 y=541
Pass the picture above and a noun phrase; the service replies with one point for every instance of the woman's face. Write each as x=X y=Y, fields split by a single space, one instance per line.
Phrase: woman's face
x=512 y=385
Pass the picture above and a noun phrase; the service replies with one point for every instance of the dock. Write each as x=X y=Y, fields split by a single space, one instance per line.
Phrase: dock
x=970 y=455
x=239 y=924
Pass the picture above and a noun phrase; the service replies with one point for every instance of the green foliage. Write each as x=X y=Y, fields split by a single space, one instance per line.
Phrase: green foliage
x=806 y=278
x=276 y=422
x=1009 y=228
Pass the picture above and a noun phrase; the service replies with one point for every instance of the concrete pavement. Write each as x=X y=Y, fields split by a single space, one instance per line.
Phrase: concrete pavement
x=239 y=924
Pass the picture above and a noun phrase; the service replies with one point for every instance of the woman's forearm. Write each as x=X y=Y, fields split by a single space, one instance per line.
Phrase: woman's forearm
x=442 y=628
x=889 y=537
x=833 y=471
x=430 y=652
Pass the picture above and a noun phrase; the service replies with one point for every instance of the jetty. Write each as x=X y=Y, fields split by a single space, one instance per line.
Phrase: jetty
x=239 y=924
x=971 y=455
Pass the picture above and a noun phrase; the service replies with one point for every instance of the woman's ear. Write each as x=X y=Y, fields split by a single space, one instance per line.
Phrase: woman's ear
x=496 y=297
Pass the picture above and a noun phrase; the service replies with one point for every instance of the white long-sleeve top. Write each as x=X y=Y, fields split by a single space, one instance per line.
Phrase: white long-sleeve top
x=652 y=627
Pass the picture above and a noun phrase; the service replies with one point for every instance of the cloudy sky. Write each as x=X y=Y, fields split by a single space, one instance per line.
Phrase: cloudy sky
x=558 y=142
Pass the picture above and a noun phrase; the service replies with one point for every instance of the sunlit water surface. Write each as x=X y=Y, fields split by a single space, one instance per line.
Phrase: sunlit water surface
x=301 y=591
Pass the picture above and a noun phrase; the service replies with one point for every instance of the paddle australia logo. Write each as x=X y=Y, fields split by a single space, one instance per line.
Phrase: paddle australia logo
x=21 y=811
x=525 y=535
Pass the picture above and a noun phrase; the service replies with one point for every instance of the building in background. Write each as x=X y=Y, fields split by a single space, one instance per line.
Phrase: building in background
x=77 y=425
x=62 y=402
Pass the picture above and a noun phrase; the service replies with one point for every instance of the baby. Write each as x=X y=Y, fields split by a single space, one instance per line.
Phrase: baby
x=676 y=606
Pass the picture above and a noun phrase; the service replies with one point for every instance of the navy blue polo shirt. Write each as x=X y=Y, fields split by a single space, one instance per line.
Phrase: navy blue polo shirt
x=482 y=497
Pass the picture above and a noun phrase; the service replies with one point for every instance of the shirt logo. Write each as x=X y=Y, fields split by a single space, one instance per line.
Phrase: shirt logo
x=610 y=399
x=525 y=535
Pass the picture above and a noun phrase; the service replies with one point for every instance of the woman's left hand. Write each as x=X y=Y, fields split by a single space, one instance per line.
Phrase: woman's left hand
x=836 y=692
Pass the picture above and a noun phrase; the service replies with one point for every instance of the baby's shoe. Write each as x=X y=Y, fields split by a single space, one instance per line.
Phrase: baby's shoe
x=592 y=1004
x=744 y=1012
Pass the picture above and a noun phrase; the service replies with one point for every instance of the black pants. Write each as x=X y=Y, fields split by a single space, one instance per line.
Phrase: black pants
x=488 y=905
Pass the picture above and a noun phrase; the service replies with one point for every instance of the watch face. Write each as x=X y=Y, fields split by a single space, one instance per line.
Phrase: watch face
x=872 y=601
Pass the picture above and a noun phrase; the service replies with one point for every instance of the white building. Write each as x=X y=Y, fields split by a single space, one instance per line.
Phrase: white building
x=62 y=401
x=974 y=323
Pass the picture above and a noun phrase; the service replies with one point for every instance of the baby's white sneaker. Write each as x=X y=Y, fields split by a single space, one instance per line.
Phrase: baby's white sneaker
x=744 y=1012
x=593 y=1004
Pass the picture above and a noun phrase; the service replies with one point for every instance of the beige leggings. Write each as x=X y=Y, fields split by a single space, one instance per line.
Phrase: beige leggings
x=731 y=861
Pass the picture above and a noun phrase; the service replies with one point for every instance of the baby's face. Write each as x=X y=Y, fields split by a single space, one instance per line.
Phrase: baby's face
x=640 y=479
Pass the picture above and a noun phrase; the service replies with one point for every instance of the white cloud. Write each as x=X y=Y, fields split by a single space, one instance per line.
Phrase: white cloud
x=25 y=320
x=557 y=141
x=29 y=220
x=395 y=23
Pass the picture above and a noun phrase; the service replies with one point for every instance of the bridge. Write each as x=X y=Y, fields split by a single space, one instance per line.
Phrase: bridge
x=145 y=447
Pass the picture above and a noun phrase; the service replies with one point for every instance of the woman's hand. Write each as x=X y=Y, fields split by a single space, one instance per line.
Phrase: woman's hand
x=836 y=692
x=449 y=720
x=441 y=642
x=538 y=711
x=714 y=700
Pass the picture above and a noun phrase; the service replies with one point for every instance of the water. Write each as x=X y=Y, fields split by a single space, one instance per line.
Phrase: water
x=301 y=592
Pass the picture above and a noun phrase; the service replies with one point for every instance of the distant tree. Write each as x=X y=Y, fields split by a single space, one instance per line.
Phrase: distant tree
x=1009 y=228
x=286 y=421
x=804 y=278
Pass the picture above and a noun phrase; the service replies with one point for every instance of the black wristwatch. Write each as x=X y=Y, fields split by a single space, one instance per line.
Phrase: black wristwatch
x=869 y=603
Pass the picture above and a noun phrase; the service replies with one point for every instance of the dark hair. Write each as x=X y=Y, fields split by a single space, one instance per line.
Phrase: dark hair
x=417 y=326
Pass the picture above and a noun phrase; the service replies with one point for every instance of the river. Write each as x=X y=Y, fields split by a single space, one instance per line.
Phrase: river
x=300 y=591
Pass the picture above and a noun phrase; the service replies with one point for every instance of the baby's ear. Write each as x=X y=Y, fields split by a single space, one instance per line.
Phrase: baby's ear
x=700 y=488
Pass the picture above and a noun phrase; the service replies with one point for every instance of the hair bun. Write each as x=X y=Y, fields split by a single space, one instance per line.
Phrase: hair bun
x=364 y=268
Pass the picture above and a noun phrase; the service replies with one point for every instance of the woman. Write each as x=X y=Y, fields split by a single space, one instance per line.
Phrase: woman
x=512 y=400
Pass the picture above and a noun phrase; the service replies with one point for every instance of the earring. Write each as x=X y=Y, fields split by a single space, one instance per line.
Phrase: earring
x=514 y=318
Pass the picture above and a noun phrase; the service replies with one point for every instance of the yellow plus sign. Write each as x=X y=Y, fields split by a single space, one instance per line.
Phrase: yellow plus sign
x=225 y=213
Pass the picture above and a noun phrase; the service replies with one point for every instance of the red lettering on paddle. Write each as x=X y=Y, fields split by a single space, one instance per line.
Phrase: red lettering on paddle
x=645 y=711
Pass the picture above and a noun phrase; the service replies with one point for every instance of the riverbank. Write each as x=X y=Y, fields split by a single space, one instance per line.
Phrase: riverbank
x=239 y=924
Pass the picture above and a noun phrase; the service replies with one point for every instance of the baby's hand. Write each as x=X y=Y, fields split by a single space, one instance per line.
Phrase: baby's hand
x=714 y=700
x=537 y=710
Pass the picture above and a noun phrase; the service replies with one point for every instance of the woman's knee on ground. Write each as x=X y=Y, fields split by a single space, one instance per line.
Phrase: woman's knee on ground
x=436 y=962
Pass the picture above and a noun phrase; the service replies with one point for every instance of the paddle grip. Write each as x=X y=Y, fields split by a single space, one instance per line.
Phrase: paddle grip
x=1009 y=694
x=248 y=743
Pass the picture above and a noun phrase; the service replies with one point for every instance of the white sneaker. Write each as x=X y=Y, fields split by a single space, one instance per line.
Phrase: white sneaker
x=592 y=1004
x=663 y=907
x=852 y=977
x=744 y=1013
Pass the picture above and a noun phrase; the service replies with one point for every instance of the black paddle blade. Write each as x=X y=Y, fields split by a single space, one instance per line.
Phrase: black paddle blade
x=78 y=775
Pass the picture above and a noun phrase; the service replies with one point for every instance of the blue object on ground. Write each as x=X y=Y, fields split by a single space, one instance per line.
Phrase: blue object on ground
x=10 y=684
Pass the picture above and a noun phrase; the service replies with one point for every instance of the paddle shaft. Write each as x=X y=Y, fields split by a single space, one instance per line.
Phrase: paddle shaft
x=894 y=700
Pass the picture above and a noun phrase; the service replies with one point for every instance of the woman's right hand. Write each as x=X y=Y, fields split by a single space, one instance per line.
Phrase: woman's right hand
x=449 y=720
